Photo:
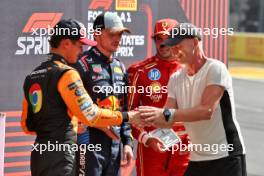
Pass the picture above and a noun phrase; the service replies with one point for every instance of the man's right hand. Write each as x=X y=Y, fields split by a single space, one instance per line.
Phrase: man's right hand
x=135 y=119
x=156 y=144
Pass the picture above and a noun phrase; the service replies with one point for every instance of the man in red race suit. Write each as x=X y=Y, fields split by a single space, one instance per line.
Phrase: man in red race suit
x=153 y=74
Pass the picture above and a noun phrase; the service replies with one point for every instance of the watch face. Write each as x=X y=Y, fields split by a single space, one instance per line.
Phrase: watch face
x=166 y=114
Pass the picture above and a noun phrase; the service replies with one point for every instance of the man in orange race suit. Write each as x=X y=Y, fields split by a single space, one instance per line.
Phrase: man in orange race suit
x=55 y=100
x=154 y=72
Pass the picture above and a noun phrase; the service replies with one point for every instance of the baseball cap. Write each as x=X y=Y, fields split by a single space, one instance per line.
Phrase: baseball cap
x=180 y=32
x=73 y=30
x=164 y=26
x=109 y=20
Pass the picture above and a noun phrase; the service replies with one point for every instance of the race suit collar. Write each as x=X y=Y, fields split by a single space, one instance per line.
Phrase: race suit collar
x=57 y=57
x=164 y=61
x=101 y=56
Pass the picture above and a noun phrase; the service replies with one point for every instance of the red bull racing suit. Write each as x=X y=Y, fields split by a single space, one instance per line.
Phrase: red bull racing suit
x=105 y=81
x=153 y=74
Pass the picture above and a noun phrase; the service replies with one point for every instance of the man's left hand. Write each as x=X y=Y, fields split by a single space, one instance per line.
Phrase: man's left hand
x=127 y=156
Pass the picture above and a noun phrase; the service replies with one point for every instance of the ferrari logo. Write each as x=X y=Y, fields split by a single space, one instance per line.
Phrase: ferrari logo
x=164 y=26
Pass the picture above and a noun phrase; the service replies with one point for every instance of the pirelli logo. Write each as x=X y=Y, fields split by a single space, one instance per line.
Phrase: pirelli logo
x=126 y=5
x=41 y=20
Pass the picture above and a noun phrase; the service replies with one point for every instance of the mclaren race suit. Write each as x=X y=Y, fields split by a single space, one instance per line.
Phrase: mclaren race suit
x=105 y=81
x=153 y=74
x=55 y=100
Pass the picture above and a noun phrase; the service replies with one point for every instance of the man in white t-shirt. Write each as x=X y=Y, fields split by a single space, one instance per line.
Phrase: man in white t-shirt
x=201 y=96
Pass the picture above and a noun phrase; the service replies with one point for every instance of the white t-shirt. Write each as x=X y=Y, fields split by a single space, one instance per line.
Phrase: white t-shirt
x=220 y=136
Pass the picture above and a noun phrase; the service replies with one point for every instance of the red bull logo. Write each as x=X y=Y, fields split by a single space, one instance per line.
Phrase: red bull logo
x=110 y=102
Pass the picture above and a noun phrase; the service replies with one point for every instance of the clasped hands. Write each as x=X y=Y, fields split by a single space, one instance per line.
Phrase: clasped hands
x=148 y=116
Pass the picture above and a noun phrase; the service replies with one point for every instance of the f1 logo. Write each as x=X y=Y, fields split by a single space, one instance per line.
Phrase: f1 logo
x=42 y=20
x=96 y=4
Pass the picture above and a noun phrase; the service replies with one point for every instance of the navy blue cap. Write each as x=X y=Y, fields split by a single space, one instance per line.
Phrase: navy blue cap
x=180 y=32
x=73 y=30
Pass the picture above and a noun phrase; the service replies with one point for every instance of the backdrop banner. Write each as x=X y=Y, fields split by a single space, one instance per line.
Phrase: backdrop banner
x=24 y=44
x=2 y=141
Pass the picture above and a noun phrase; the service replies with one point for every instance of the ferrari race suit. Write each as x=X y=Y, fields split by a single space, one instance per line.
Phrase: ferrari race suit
x=153 y=74
x=55 y=100
x=104 y=80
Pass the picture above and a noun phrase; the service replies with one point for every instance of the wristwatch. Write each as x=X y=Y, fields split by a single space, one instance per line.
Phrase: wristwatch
x=167 y=114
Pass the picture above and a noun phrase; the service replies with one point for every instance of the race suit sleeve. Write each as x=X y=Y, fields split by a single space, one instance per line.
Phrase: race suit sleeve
x=82 y=68
x=125 y=132
x=80 y=104
x=134 y=99
x=24 y=117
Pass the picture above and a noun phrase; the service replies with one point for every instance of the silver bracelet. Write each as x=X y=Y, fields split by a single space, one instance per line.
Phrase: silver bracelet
x=172 y=111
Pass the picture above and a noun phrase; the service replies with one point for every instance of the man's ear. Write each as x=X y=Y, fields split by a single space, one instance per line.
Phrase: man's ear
x=65 y=43
x=174 y=50
x=96 y=35
x=196 y=42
